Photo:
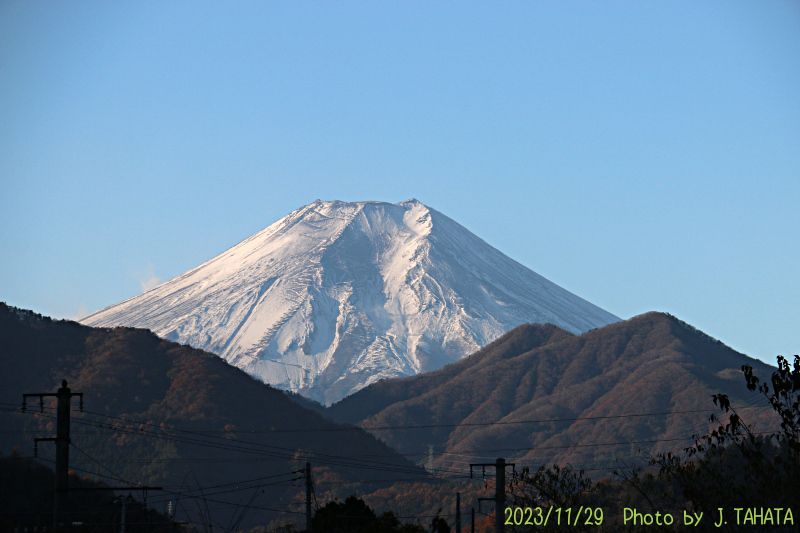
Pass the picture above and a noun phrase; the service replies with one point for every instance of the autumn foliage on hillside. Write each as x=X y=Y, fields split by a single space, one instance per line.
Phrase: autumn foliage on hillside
x=162 y=414
x=159 y=413
x=630 y=388
x=26 y=497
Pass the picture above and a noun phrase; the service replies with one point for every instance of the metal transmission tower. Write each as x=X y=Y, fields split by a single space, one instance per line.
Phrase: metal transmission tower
x=64 y=397
x=500 y=490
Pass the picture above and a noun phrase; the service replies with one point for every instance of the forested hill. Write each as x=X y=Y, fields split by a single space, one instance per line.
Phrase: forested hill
x=160 y=413
x=26 y=489
x=371 y=400
x=638 y=386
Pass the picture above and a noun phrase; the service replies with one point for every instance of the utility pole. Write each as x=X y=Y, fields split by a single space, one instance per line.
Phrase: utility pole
x=500 y=495
x=124 y=501
x=308 y=497
x=62 y=440
x=472 y=528
x=63 y=396
x=458 y=512
x=500 y=490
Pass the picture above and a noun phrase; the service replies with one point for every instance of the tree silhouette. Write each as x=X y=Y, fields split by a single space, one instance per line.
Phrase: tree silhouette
x=733 y=466
x=355 y=516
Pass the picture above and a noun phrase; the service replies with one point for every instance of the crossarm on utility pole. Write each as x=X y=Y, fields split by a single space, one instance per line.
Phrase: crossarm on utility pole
x=500 y=493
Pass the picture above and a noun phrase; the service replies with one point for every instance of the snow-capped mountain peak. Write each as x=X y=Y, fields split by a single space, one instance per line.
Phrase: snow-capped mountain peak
x=337 y=295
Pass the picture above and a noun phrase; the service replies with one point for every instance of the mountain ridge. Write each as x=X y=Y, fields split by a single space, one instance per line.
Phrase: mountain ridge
x=644 y=383
x=337 y=295
x=158 y=413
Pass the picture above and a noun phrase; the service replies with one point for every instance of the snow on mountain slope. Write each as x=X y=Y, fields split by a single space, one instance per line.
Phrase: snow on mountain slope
x=337 y=295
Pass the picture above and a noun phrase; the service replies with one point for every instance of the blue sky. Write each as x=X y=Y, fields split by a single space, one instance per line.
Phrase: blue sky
x=643 y=155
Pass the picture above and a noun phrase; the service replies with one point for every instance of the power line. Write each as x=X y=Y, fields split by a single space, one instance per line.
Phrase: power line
x=442 y=473
x=238 y=447
x=178 y=493
x=467 y=452
x=428 y=426
x=117 y=476
x=433 y=426
x=334 y=460
x=374 y=464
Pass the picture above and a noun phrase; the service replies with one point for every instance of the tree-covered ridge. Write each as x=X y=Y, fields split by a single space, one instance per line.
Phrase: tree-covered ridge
x=160 y=413
x=379 y=396
x=584 y=387
x=26 y=501
x=730 y=479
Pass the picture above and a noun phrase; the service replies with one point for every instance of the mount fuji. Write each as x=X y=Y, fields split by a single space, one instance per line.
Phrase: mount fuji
x=336 y=296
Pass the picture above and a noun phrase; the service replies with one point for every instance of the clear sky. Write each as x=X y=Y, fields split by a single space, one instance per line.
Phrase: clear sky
x=643 y=155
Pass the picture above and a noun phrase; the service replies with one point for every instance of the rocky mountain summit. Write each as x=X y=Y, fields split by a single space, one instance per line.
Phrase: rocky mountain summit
x=336 y=296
